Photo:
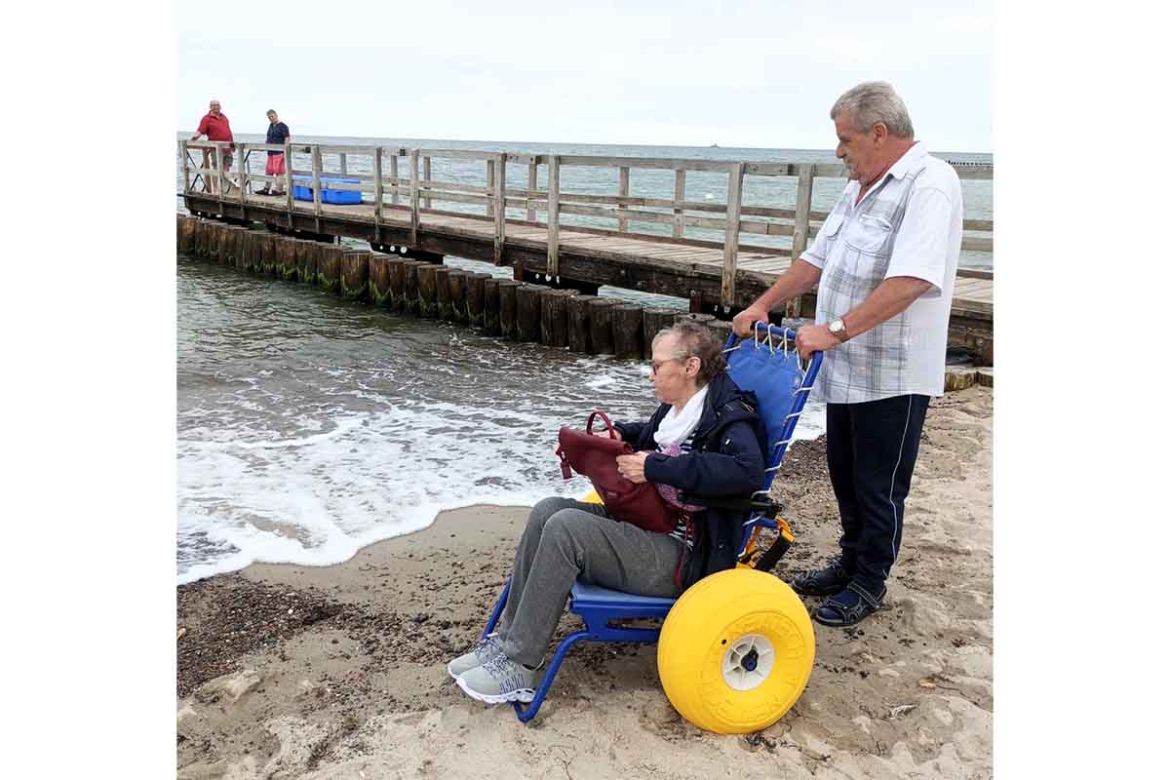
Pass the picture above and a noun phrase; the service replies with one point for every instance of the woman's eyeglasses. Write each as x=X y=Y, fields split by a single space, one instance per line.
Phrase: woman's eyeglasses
x=657 y=364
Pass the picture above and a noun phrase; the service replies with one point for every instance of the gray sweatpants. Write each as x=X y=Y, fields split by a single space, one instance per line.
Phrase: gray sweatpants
x=565 y=539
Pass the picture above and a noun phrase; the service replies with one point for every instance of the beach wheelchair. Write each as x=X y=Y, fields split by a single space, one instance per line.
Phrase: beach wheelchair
x=736 y=649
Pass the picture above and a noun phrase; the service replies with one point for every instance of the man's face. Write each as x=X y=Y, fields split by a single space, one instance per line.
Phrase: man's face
x=213 y=107
x=859 y=151
x=272 y=117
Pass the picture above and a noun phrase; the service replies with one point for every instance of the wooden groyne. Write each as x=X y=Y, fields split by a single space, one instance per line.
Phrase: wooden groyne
x=405 y=209
x=559 y=318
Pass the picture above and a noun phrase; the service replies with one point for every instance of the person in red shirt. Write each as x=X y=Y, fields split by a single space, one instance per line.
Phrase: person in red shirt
x=215 y=126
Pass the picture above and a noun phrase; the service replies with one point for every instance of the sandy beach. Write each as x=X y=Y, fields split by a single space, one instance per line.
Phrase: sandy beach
x=338 y=672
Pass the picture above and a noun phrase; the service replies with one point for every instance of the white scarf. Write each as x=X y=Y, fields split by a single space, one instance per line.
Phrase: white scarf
x=677 y=426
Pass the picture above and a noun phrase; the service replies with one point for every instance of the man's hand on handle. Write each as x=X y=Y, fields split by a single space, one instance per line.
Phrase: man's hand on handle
x=743 y=322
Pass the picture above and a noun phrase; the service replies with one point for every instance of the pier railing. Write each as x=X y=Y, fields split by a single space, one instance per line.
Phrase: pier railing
x=732 y=223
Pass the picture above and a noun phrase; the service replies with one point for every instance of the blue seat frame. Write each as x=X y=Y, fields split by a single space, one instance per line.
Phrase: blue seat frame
x=599 y=606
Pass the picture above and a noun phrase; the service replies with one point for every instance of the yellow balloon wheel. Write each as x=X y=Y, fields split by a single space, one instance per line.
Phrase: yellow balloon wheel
x=591 y=498
x=736 y=651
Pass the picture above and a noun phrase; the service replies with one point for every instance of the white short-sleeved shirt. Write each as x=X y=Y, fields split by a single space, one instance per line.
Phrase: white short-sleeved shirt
x=909 y=224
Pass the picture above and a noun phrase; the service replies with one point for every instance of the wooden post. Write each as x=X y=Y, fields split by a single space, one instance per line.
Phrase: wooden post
x=427 y=181
x=731 y=235
x=186 y=165
x=528 y=312
x=285 y=261
x=491 y=187
x=394 y=176
x=410 y=287
x=531 y=213
x=288 y=180
x=344 y=167
x=702 y=319
x=378 y=194
x=329 y=267
x=317 y=187
x=501 y=211
x=242 y=153
x=554 y=208
x=553 y=306
x=395 y=281
x=721 y=329
x=427 y=290
x=577 y=321
x=680 y=194
x=219 y=171
x=654 y=320
x=308 y=261
x=601 y=325
x=623 y=192
x=455 y=307
x=491 y=307
x=474 y=287
x=414 y=198
x=355 y=275
x=627 y=330
x=507 y=291
x=804 y=187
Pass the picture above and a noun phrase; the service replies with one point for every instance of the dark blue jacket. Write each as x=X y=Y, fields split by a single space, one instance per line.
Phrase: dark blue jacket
x=726 y=461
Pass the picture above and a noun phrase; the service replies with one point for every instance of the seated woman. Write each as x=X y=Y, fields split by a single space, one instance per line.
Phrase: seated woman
x=705 y=440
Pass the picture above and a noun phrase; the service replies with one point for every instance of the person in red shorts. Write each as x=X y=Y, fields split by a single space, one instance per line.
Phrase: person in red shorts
x=278 y=133
x=215 y=126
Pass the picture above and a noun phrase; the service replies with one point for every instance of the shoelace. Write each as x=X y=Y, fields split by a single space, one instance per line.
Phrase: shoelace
x=488 y=648
x=506 y=672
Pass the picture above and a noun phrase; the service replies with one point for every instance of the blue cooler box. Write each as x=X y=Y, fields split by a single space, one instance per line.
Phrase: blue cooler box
x=339 y=197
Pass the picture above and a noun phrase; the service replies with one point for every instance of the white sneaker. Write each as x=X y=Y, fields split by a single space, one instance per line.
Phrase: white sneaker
x=499 y=680
x=487 y=649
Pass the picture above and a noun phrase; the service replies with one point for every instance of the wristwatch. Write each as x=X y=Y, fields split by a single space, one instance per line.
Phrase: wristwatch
x=837 y=328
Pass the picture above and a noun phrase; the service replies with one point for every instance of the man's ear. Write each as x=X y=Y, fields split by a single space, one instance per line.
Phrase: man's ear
x=880 y=133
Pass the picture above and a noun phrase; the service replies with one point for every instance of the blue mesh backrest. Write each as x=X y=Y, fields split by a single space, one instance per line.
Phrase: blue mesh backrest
x=774 y=376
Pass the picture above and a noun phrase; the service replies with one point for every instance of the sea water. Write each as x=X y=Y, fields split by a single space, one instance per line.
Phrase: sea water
x=309 y=426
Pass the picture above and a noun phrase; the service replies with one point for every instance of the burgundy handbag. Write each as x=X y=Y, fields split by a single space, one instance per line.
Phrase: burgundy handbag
x=595 y=457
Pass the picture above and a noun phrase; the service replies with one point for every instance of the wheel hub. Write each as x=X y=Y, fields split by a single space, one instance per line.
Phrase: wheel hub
x=748 y=662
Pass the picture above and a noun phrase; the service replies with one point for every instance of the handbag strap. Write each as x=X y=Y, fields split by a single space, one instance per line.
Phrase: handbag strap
x=613 y=434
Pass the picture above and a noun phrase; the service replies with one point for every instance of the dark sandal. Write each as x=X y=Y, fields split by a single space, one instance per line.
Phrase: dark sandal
x=849 y=607
x=823 y=582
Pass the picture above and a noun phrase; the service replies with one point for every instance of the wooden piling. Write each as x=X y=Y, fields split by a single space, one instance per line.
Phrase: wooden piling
x=329 y=268
x=442 y=291
x=601 y=325
x=474 y=292
x=553 y=322
x=307 y=259
x=355 y=275
x=427 y=301
x=286 y=265
x=507 y=292
x=654 y=320
x=490 y=316
x=704 y=319
x=395 y=282
x=528 y=312
x=455 y=307
x=379 y=280
x=627 y=330
x=720 y=329
x=577 y=321
x=410 y=290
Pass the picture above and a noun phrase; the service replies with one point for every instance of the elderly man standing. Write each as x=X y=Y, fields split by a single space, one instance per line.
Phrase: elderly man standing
x=215 y=126
x=884 y=264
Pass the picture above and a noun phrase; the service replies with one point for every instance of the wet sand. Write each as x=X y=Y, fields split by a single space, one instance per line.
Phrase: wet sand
x=338 y=672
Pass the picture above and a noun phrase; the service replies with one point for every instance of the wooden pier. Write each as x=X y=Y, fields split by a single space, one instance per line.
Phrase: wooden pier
x=402 y=211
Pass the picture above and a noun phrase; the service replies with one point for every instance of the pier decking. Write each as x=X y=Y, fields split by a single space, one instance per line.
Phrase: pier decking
x=524 y=228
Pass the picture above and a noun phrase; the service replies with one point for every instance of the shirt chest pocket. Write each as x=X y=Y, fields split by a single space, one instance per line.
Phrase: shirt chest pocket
x=870 y=235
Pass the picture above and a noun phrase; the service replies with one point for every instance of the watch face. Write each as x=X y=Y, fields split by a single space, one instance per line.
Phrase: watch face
x=836 y=326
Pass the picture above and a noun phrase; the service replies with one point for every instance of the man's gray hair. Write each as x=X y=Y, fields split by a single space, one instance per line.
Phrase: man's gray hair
x=873 y=102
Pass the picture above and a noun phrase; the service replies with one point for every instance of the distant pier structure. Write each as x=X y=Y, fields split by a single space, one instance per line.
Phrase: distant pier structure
x=393 y=198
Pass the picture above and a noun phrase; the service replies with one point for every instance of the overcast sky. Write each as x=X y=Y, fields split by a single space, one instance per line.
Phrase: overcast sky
x=759 y=74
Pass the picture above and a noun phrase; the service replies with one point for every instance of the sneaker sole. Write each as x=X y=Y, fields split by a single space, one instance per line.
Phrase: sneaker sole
x=522 y=695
